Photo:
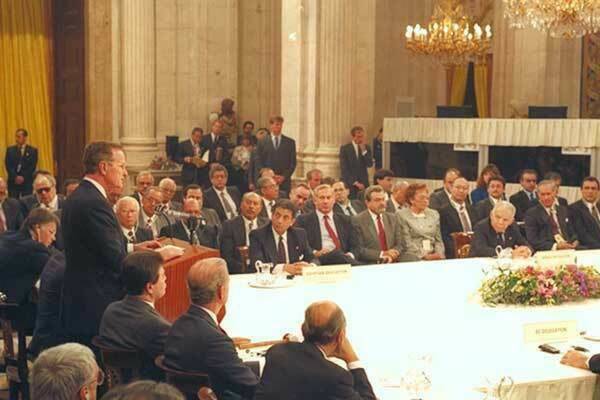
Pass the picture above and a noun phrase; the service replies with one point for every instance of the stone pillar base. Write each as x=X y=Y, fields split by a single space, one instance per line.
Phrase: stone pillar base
x=140 y=151
x=324 y=158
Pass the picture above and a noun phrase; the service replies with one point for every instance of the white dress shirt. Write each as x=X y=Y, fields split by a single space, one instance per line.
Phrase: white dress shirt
x=326 y=240
x=590 y=207
x=351 y=365
x=457 y=208
x=152 y=223
x=229 y=200
x=246 y=225
x=267 y=207
x=279 y=267
x=357 y=150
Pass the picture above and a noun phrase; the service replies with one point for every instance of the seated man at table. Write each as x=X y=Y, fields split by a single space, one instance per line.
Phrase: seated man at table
x=279 y=243
x=196 y=342
x=547 y=224
x=458 y=216
x=495 y=190
x=193 y=229
x=133 y=323
x=127 y=210
x=580 y=360
x=329 y=234
x=236 y=232
x=378 y=232
x=585 y=214
x=441 y=197
x=303 y=371
x=343 y=204
x=499 y=229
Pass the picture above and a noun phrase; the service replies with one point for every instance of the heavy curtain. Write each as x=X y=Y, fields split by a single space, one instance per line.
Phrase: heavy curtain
x=459 y=85
x=26 y=76
x=481 y=90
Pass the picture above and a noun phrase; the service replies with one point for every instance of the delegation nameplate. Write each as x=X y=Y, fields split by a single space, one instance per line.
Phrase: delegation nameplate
x=544 y=332
x=551 y=259
x=326 y=273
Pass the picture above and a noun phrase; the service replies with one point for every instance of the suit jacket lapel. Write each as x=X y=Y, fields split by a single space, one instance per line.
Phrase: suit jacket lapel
x=240 y=234
x=337 y=220
x=371 y=226
x=387 y=224
x=316 y=229
x=292 y=246
x=270 y=246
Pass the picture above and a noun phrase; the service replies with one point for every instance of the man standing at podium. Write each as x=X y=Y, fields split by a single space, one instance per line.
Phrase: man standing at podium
x=94 y=244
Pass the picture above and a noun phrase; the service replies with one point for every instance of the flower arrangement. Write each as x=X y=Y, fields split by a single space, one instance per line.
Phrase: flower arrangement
x=541 y=286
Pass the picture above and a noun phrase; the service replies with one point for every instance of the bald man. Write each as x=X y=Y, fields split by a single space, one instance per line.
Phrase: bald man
x=168 y=187
x=10 y=210
x=193 y=230
x=196 y=342
x=303 y=371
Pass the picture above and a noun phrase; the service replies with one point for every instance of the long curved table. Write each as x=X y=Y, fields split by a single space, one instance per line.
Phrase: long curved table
x=399 y=311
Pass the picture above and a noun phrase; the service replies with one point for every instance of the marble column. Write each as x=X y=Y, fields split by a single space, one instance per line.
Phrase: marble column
x=138 y=76
x=327 y=47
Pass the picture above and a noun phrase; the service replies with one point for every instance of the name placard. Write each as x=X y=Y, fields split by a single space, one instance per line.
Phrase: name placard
x=555 y=331
x=555 y=258
x=326 y=273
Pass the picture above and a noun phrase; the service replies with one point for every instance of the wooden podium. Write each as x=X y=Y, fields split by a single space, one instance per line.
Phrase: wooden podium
x=177 y=300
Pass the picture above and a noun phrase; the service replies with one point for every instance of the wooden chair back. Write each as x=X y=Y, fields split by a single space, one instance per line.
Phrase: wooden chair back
x=120 y=366
x=462 y=243
x=17 y=370
x=189 y=383
x=245 y=255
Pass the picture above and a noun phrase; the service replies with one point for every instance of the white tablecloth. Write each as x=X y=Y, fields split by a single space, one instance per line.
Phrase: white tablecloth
x=428 y=308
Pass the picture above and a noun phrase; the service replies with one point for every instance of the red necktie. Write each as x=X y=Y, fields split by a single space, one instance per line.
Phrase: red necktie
x=331 y=232
x=381 y=234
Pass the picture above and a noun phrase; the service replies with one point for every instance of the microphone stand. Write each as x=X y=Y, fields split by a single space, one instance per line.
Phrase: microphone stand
x=160 y=211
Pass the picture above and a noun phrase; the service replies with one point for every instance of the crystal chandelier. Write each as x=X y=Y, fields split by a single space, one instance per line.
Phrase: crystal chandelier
x=560 y=18
x=449 y=36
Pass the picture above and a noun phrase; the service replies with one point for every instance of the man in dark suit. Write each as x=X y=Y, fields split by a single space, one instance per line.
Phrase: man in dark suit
x=379 y=233
x=355 y=159
x=143 y=181
x=133 y=323
x=557 y=179
x=195 y=192
x=214 y=147
x=441 y=197
x=188 y=151
x=194 y=230
x=343 y=204
x=196 y=342
x=24 y=254
x=236 y=233
x=225 y=200
x=20 y=162
x=11 y=217
x=458 y=216
x=127 y=210
x=278 y=152
x=495 y=189
x=44 y=187
x=278 y=242
x=329 y=234
x=397 y=199
x=47 y=331
x=168 y=187
x=298 y=371
x=94 y=245
x=547 y=224
x=585 y=214
x=526 y=197
x=269 y=191
x=499 y=229
x=300 y=195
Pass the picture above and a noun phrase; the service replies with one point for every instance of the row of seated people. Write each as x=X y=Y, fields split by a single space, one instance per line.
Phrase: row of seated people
x=293 y=369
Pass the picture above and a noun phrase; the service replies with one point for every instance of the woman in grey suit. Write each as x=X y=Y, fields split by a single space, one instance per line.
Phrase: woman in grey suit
x=421 y=225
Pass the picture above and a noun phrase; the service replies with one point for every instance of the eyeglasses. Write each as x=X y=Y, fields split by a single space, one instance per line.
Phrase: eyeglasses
x=43 y=190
